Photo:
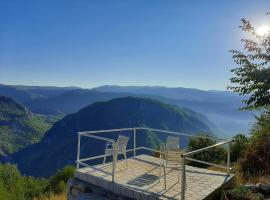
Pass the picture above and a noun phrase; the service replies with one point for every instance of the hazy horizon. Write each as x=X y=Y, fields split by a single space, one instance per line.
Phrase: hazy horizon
x=74 y=86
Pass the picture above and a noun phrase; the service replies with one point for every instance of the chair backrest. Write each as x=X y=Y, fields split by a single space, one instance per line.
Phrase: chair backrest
x=173 y=158
x=172 y=143
x=122 y=142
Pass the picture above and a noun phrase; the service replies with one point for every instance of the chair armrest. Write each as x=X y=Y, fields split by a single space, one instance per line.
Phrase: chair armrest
x=162 y=151
x=184 y=150
x=161 y=156
x=162 y=147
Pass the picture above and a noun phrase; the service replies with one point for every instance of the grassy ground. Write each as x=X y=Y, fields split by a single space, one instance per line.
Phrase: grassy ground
x=59 y=197
x=56 y=197
x=240 y=179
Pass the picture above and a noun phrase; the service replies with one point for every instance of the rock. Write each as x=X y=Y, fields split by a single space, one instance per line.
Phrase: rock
x=79 y=185
x=253 y=188
x=264 y=188
x=79 y=190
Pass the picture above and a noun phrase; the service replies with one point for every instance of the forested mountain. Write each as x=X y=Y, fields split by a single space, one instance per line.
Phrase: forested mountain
x=220 y=107
x=58 y=147
x=19 y=127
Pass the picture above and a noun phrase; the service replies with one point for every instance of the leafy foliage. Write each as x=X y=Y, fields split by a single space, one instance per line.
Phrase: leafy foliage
x=256 y=160
x=252 y=77
x=242 y=193
x=256 y=157
x=14 y=186
x=216 y=154
x=59 y=180
x=238 y=147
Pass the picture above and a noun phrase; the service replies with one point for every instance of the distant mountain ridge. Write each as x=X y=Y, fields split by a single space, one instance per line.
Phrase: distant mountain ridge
x=19 y=127
x=70 y=101
x=24 y=94
x=221 y=107
x=58 y=147
x=172 y=93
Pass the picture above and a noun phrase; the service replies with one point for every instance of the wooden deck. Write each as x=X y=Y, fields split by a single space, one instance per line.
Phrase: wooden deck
x=140 y=179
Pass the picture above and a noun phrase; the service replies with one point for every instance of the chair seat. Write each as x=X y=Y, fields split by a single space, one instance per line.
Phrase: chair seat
x=110 y=151
x=173 y=158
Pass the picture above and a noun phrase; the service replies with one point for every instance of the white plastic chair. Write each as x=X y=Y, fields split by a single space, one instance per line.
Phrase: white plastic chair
x=170 y=156
x=121 y=148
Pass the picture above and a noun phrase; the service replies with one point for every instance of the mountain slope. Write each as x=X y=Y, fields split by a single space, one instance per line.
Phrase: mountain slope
x=221 y=107
x=18 y=126
x=58 y=147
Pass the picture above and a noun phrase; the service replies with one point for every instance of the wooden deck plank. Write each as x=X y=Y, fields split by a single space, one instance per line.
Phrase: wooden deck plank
x=140 y=179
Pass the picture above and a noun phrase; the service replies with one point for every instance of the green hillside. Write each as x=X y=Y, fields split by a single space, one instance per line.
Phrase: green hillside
x=18 y=126
x=58 y=147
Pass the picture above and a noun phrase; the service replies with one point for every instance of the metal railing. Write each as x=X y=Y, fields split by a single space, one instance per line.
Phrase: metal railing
x=184 y=156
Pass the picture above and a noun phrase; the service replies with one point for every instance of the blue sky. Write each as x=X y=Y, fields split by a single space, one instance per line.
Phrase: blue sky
x=87 y=43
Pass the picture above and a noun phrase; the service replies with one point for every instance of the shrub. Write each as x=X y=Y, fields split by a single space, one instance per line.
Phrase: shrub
x=11 y=179
x=256 y=158
x=238 y=147
x=58 y=181
x=4 y=194
x=15 y=186
x=241 y=193
x=216 y=154
x=34 y=187
x=256 y=161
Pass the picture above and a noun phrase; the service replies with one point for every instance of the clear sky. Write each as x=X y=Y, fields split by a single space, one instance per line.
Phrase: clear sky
x=87 y=43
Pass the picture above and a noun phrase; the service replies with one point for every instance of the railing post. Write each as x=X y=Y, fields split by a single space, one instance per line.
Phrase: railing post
x=78 y=150
x=114 y=160
x=134 y=142
x=183 y=178
x=228 y=157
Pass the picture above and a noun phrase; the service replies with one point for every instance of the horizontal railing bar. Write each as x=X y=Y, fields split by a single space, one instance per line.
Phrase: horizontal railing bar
x=179 y=133
x=83 y=164
x=154 y=150
x=106 y=131
x=138 y=148
x=97 y=137
x=133 y=149
x=207 y=163
x=92 y=158
x=205 y=148
x=149 y=149
x=103 y=155
x=150 y=129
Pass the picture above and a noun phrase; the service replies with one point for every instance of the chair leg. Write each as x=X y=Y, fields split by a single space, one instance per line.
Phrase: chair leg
x=104 y=159
x=125 y=155
x=159 y=171
x=165 y=181
x=179 y=175
x=185 y=181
